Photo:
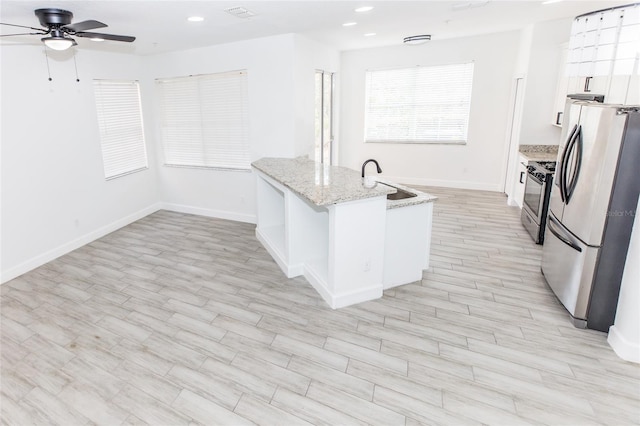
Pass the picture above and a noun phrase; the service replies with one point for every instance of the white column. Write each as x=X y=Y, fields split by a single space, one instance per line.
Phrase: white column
x=624 y=334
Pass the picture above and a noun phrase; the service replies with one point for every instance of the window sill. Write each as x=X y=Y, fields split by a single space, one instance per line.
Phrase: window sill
x=419 y=142
x=141 y=169
x=223 y=169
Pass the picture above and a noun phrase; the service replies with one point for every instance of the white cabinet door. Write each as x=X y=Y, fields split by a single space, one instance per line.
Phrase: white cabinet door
x=633 y=94
x=562 y=86
x=521 y=179
x=618 y=90
x=603 y=57
x=597 y=85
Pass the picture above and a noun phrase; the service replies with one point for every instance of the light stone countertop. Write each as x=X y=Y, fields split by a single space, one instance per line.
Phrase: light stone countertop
x=539 y=152
x=324 y=185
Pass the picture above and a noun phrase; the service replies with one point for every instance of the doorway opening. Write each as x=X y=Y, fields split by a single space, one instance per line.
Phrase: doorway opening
x=324 y=85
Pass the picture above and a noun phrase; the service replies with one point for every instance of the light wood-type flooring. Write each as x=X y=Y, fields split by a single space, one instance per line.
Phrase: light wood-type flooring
x=179 y=319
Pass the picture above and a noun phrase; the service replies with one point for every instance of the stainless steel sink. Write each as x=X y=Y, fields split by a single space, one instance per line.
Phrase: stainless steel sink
x=401 y=194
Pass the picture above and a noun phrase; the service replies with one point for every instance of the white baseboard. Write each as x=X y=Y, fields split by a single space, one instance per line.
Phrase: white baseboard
x=479 y=186
x=289 y=270
x=65 y=248
x=340 y=300
x=629 y=351
x=220 y=214
x=319 y=285
x=358 y=296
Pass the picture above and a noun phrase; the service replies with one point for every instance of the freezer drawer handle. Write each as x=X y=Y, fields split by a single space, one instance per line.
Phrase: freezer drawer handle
x=562 y=238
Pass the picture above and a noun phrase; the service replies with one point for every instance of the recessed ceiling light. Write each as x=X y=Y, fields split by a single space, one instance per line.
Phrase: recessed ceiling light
x=349 y=24
x=195 y=19
x=364 y=9
x=551 y=1
x=369 y=34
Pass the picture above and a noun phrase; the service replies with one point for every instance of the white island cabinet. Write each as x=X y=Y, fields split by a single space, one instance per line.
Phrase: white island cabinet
x=324 y=223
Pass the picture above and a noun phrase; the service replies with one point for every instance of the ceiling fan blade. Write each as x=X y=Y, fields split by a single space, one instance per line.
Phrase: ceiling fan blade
x=17 y=34
x=113 y=37
x=22 y=26
x=85 y=25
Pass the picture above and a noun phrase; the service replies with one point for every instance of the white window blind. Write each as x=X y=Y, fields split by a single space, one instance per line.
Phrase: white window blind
x=419 y=105
x=205 y=120
x=120 y=126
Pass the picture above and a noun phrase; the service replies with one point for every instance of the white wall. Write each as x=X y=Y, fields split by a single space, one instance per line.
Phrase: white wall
x=624 y=334
x=543 y=68
x=54 y=194
x=480 y=164
x=280 y=72
x=538 y=64
x=524 y=51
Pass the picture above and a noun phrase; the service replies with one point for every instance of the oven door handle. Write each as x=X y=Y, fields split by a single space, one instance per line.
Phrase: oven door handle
x=533 y=177
x=552 y=228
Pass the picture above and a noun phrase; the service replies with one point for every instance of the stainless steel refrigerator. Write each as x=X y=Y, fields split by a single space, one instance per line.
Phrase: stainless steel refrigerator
x=591 y=211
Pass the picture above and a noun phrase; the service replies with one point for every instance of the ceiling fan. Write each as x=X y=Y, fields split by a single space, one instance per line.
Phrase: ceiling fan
x=58 y=27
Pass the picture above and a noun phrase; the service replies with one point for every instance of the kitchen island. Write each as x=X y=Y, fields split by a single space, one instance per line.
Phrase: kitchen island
x=345 y=237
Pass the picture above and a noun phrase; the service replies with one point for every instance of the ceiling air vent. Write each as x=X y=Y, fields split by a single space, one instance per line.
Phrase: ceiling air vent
x=240 y=12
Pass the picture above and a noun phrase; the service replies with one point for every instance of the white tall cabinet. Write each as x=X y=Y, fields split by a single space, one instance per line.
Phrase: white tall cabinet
x=602 y=57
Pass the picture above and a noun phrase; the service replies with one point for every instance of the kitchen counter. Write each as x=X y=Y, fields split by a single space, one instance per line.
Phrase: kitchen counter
x=539 y=152
x=323 y=185
x=339 y=231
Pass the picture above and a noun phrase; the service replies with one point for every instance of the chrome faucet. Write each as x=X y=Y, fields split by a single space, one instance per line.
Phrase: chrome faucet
x=369 y=161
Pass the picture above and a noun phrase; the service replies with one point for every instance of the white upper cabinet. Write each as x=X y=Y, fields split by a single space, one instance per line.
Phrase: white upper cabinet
x=602 y=57
x=562 y=86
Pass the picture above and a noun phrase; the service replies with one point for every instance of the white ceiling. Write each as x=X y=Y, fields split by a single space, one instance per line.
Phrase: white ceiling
x=161 y=26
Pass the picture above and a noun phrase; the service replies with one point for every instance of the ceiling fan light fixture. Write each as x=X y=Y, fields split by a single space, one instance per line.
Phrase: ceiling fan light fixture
x=417 y=39
x=58 y=43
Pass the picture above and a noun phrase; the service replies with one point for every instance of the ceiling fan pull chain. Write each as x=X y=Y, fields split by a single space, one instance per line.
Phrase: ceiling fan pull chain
x=46 y=56
x=76 y=65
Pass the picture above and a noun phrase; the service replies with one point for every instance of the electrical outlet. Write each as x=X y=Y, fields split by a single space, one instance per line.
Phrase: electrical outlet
x=367 y=265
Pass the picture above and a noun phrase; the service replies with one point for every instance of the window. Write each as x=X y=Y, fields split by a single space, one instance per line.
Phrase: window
x=324 y=117
x=120 y=126
x=419 y=104
x=205 y=120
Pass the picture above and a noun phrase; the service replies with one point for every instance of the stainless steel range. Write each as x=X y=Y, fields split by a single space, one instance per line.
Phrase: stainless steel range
x=537 y=191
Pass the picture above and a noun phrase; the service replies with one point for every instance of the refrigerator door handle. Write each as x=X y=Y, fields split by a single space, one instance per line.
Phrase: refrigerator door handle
x=565 y=239
x=561 y=172
x=577 y=147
